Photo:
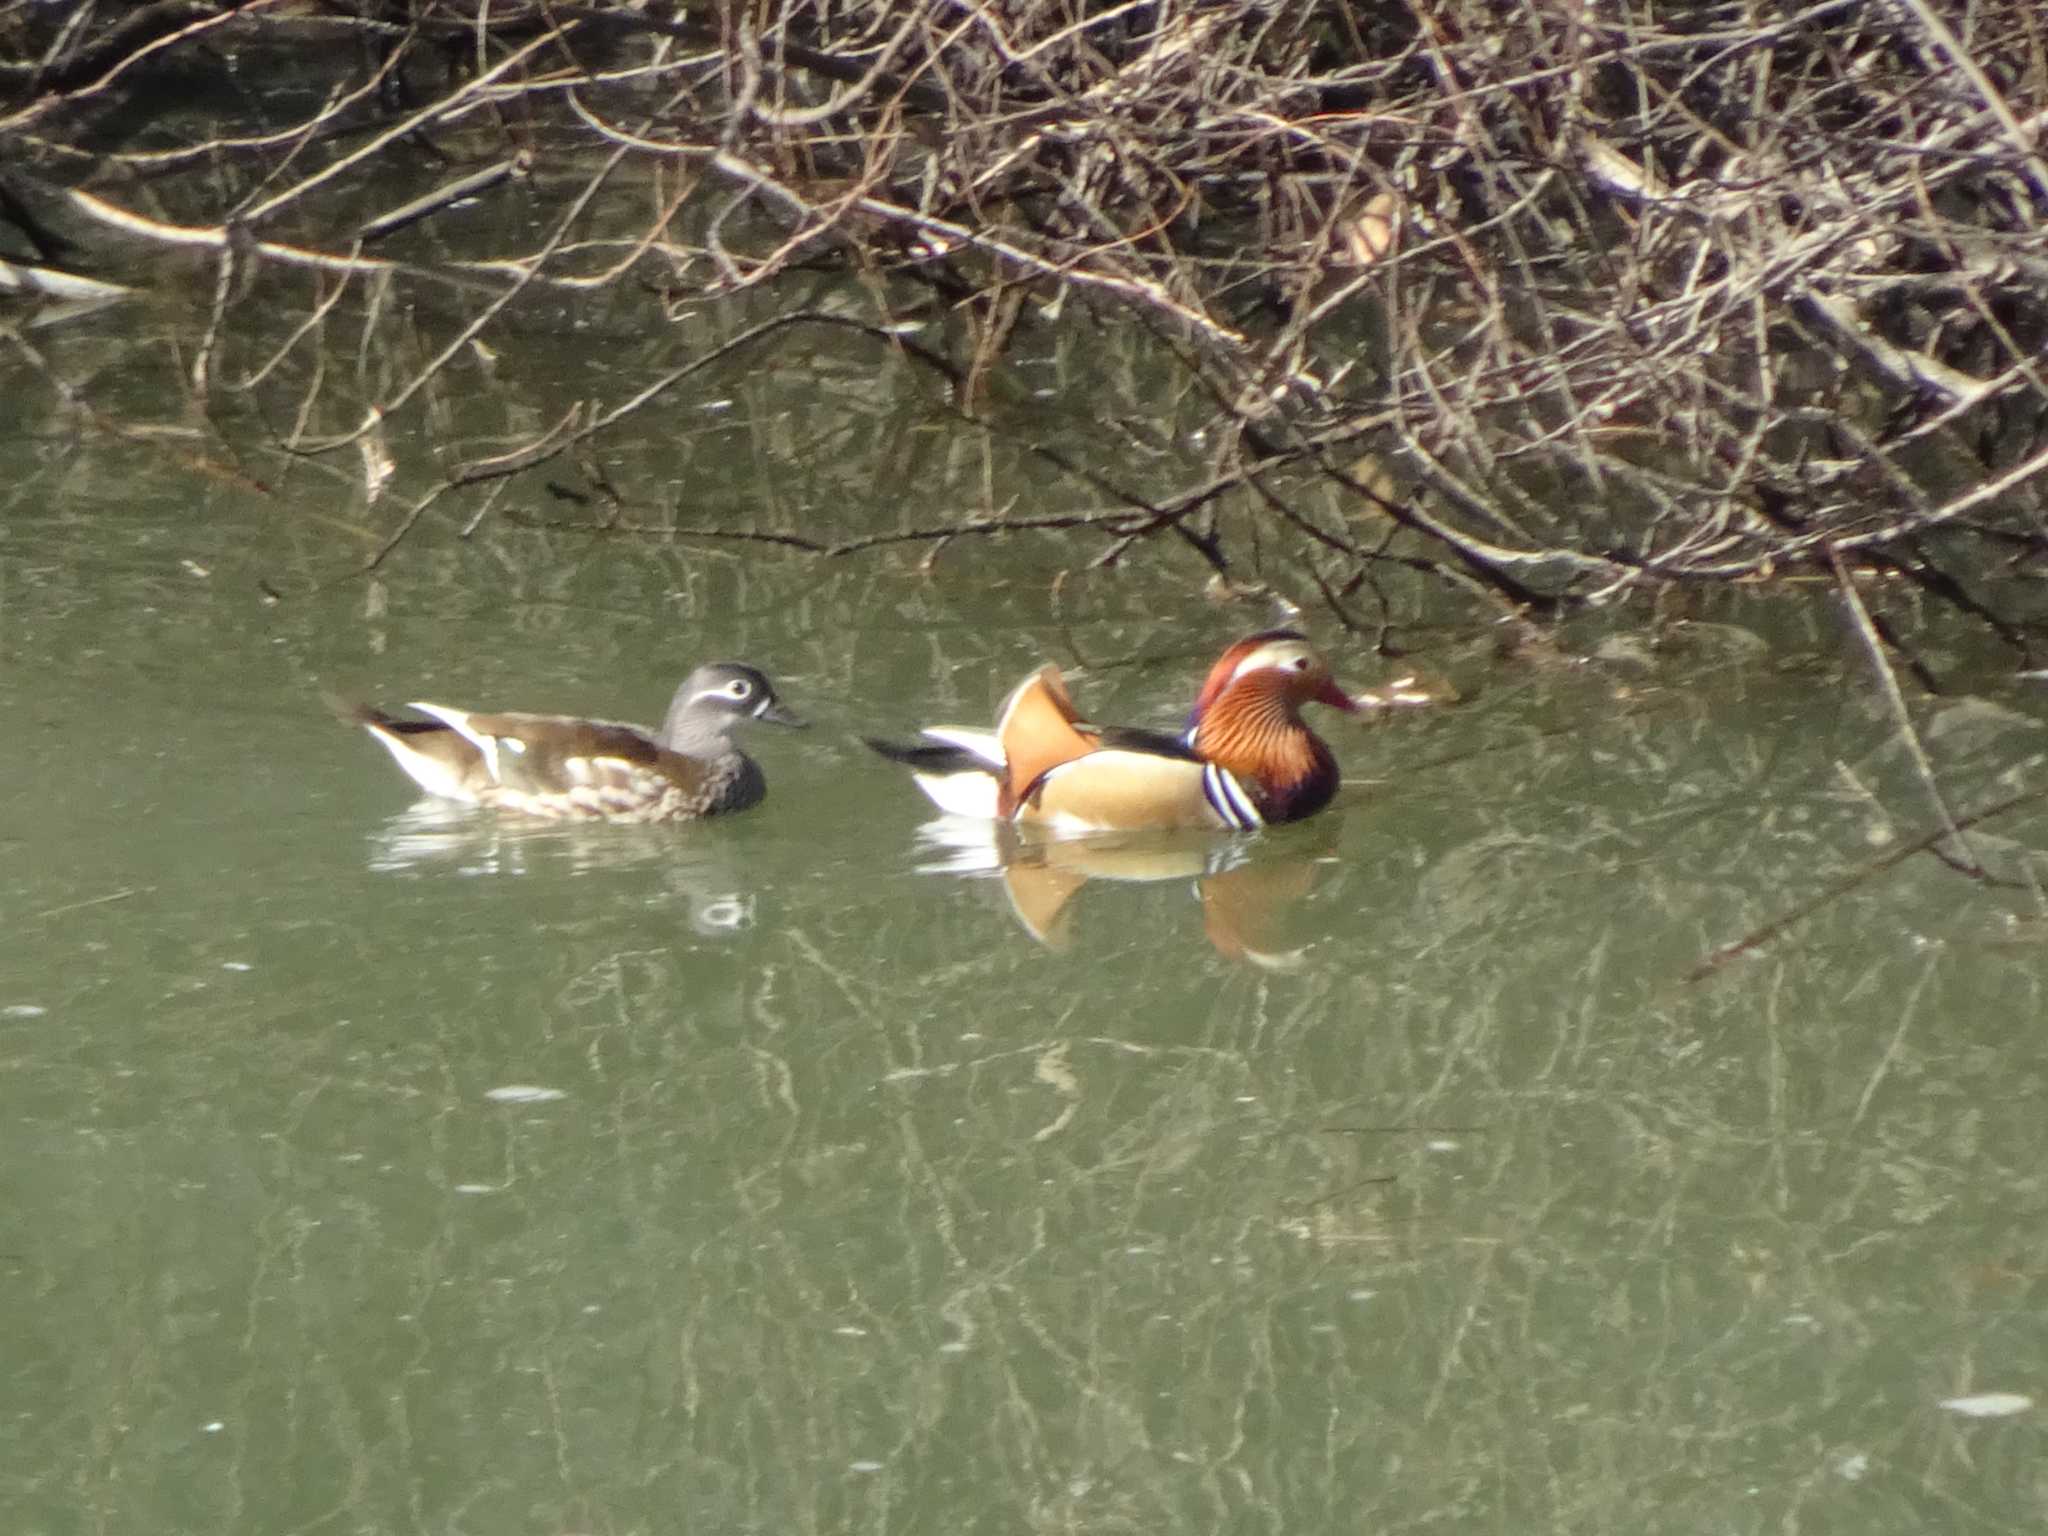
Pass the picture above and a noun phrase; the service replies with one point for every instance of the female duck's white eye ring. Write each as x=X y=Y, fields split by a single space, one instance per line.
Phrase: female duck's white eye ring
x=738 y=688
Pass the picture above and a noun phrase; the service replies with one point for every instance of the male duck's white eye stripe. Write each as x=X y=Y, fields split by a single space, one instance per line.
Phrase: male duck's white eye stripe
x=1227 y=798
x=1284 y=653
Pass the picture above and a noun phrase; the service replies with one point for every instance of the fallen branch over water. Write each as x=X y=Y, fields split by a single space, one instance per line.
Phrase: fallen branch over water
x=1557 y=303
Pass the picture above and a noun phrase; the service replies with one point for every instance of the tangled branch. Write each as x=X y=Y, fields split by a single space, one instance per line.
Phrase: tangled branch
x=1550 y=302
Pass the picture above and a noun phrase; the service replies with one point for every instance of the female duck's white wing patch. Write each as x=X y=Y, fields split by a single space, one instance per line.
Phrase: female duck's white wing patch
x=457 y=720
x=436 y=775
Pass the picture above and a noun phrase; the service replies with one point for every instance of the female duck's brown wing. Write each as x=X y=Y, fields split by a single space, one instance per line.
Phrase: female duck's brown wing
x=551 y=765
x=541 y=749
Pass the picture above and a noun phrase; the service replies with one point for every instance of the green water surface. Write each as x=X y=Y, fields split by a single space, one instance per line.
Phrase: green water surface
x=368 y=1170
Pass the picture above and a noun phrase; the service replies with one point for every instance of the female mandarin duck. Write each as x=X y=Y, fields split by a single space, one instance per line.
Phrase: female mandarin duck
x=1245 y=760
x=593 y=770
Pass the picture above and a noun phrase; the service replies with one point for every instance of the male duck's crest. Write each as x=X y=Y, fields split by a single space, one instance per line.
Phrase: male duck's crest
x=1245 y=760
x=565 y=768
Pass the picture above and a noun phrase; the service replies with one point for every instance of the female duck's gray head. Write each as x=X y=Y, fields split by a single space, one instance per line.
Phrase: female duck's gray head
x=716 y=697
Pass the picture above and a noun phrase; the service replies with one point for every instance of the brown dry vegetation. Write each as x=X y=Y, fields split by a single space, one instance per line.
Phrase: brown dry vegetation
x=1552 y=301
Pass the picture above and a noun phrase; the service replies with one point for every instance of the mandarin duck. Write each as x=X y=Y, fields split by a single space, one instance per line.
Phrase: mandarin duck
x=568 y=769
x=1246 y=758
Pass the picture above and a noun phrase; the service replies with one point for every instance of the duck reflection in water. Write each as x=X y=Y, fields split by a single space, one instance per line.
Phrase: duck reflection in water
x=441 y=837
x=1250 y=893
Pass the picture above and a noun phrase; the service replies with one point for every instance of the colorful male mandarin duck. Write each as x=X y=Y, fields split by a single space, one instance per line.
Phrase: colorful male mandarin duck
x=1245 y=760
x=593 y=770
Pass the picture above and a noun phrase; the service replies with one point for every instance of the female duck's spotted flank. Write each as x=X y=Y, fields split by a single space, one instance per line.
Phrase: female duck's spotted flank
x=592 y=770
x=1245 y=760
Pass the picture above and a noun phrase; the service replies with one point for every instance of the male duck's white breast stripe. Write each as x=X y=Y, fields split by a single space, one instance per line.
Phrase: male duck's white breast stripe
x=1227 y=798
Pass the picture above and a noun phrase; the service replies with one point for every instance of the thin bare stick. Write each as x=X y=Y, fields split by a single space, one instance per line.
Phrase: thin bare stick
x=1888 y=684
x=1835 y=890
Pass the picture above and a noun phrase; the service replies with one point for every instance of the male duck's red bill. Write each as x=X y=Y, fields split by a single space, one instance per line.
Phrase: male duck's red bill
x=1246 y=759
